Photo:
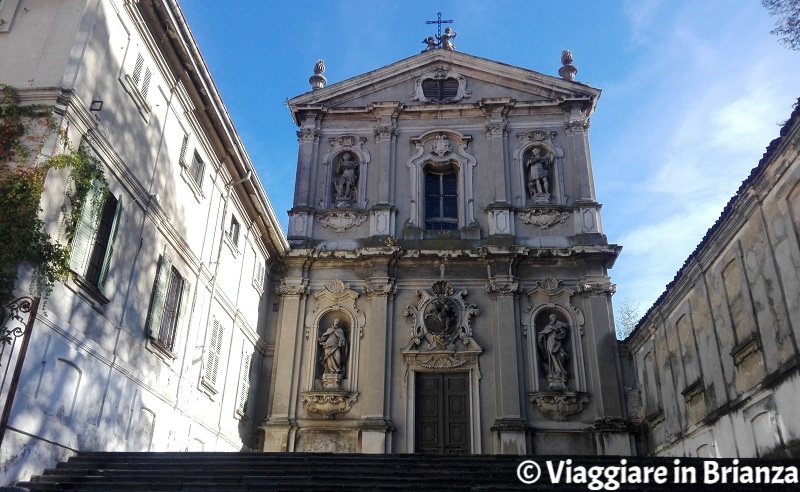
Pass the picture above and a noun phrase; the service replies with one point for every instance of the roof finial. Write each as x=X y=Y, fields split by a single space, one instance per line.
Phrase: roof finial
x=318 y=80
x=568 y=71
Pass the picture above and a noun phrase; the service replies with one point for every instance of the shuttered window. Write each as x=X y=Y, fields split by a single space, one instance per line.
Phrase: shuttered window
x=95 y=236
x=213 y=355
x=440 y=90
x=184 y=148
x=233 y=233
x=244 y=385
x=169 y=304
x=258 y=276
x=145 y=83
x=196 y=170
x=137 y=69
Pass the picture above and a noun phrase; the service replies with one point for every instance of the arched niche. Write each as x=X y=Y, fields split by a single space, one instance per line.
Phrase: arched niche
x=340 y=147
x=551 y=298
x=441 y=150
x=544 y=142
x=325 y=395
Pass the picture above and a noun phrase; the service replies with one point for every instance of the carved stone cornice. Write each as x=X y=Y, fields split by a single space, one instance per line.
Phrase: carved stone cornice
x=543 y=218
x=597 y=288
x=502 y=288
x=308 y=134
x=291 y=290
x=341 y=220
x=577 y=125
x=559 y=405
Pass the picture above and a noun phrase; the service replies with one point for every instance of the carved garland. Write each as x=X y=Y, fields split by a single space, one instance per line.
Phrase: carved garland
x=543 y=218
x=340 y=221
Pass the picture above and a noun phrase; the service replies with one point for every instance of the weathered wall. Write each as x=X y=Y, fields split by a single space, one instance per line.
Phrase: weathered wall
x=716 y=357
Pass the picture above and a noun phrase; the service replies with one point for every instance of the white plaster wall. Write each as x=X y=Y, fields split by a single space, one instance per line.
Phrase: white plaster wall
x=118 y=392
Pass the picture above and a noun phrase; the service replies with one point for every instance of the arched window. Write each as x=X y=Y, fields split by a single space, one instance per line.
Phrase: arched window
x=441 y=200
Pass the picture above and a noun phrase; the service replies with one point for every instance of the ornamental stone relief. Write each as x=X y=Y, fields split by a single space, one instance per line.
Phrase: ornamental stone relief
x=543 y=218
x=441 y=334
x=340 y=221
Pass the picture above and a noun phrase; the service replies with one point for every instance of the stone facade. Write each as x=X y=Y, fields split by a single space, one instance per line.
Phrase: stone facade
x=445 y=214
x=106 y=369
x=716 y=358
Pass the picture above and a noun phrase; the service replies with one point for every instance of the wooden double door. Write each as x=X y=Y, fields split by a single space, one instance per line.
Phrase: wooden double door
x=442 y=413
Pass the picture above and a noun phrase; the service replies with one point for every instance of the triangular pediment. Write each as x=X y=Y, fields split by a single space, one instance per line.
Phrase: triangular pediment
x=482 y=79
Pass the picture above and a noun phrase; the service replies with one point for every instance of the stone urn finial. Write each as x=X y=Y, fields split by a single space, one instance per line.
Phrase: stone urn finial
x=318 y=80
x=568 y=70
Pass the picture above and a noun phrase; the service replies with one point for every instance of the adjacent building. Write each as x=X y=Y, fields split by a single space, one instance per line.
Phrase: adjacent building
x=716 y=357
x=159 y=340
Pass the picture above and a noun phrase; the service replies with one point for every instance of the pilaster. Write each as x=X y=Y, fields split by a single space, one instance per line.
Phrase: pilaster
x=382 y=193
x=576 y=127
x=380 y=291
x=509 y=427
x=280 y=426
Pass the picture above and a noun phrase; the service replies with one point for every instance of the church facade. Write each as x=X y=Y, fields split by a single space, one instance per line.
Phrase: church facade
x=447 y=286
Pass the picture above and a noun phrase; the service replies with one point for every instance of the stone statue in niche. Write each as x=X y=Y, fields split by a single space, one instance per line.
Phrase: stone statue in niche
x=551 y=341
x=345 y=181
x=334 y=353
x=538 y=167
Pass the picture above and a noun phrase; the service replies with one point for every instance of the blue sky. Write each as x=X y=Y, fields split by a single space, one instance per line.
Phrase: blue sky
x=693 y=92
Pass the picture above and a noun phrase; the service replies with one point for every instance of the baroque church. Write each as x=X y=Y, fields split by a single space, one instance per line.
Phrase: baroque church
x=447 y=266
x=444 y=286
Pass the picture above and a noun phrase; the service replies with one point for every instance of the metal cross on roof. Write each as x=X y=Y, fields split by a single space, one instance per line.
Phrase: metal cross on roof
x=440 y=22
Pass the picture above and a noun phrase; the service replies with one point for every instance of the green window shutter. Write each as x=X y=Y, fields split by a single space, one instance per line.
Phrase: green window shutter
x=183 y=314
x=155 y=313
x=110 y=247
x=87 y=228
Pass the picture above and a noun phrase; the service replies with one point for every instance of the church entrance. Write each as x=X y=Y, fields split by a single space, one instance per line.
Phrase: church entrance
x=442 y=413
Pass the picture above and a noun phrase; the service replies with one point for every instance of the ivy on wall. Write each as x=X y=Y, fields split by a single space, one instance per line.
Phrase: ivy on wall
x=23 y=235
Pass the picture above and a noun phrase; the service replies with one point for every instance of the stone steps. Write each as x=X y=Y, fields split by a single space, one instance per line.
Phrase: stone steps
x=318 y=472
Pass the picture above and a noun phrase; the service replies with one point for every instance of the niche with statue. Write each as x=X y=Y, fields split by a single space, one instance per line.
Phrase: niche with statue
x=334 y=329
x=554 y=327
